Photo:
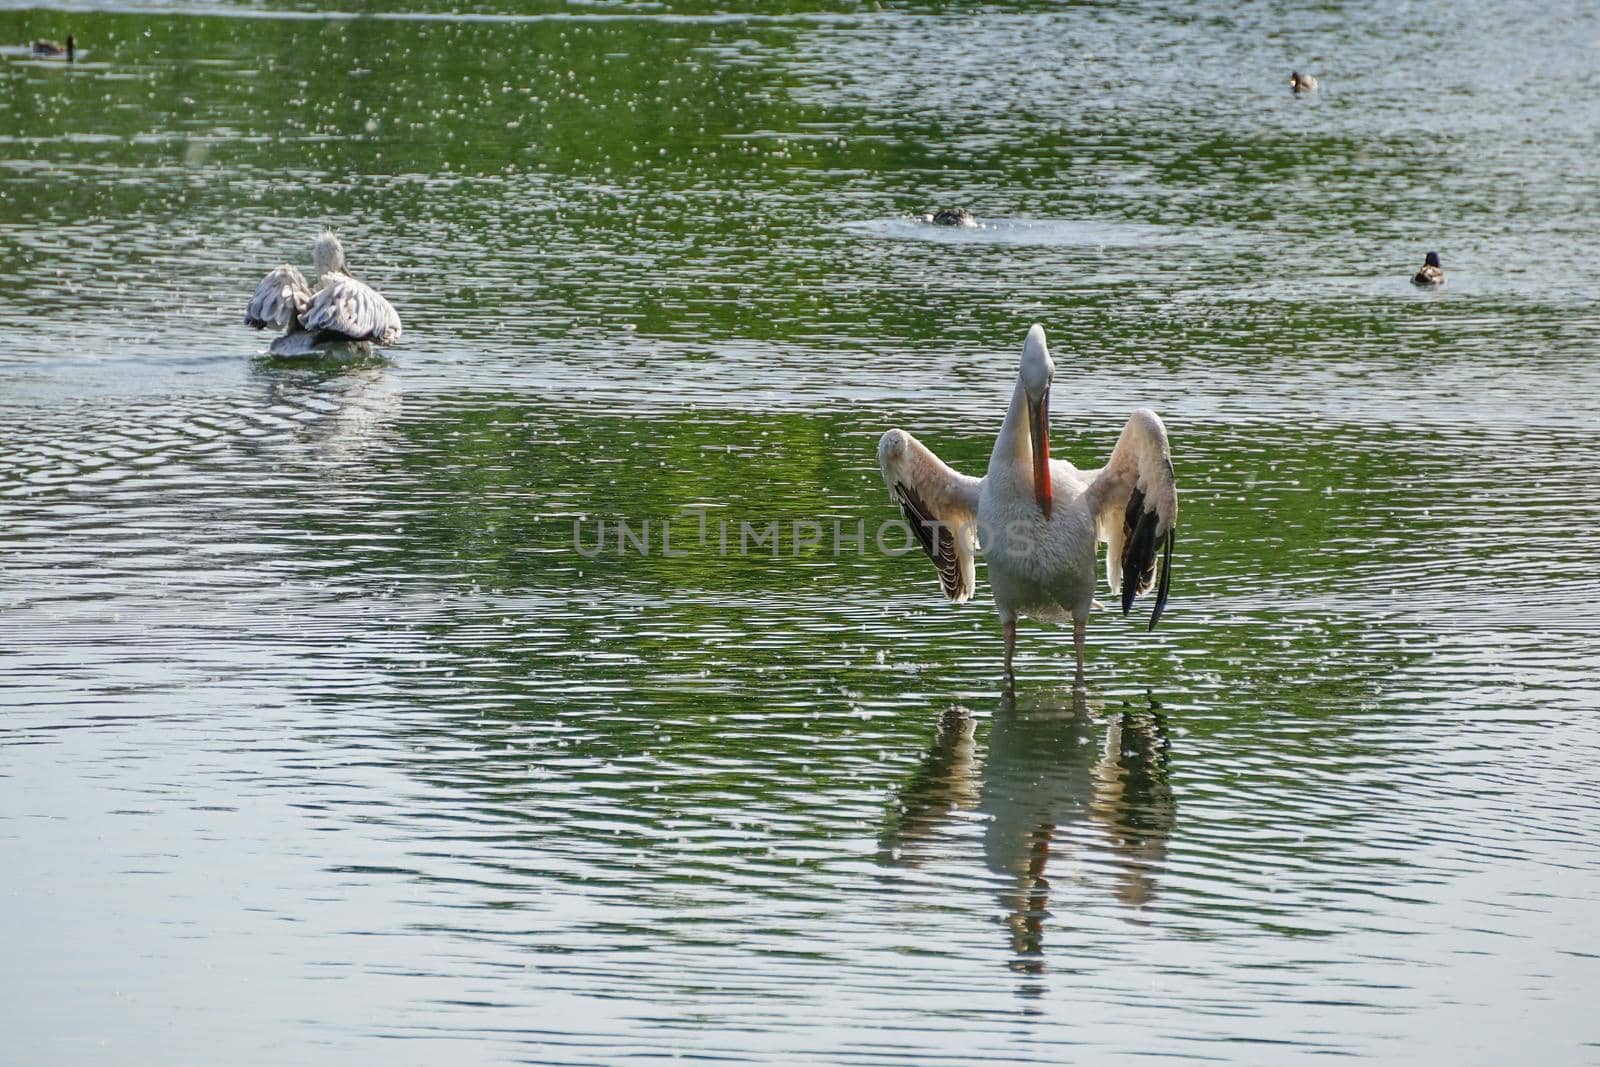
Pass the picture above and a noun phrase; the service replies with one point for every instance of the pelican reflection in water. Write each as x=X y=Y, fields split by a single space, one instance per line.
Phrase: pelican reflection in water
x=945 y=784
x=1054 y=786
x=346 y=409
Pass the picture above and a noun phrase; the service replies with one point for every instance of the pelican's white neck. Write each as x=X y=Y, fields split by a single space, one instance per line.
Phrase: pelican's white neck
x=1036 y=370
x=328 y=255
x=1013 y=448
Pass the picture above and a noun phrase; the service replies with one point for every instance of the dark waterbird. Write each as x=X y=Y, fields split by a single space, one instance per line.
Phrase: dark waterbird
x=46 y=47
x=951 y=216
x=1431 y=276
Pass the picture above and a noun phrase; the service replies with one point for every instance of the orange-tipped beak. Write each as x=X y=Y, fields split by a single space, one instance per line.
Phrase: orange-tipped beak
x=1039 y=430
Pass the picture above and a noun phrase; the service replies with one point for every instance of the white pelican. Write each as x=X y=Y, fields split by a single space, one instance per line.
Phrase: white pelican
x=341 y=310
x=1039 y=531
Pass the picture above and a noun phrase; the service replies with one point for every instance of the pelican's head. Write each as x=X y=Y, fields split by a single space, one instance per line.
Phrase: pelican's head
x=1432 y=260
x=328 y=256
x=1038 y=370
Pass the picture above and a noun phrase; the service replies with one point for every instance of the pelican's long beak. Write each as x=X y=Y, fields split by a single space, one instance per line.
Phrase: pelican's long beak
x=1039 y=430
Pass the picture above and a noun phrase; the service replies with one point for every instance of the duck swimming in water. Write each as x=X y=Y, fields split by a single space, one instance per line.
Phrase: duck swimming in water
x=340 y=311
x=1431 y=276
x=1302 y=83
x=46 y=47
x=958 y=216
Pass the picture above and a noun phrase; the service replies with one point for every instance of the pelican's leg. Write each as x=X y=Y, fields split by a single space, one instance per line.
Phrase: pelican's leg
x=1078 y=628
x=1010 y=627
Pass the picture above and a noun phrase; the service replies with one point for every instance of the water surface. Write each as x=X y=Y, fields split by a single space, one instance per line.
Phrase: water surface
x=321 y=742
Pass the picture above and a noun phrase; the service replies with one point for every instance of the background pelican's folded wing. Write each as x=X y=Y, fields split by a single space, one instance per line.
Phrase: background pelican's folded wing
x=941 y=506
x=280 y=299
x=353 y=310
x=1134 y=499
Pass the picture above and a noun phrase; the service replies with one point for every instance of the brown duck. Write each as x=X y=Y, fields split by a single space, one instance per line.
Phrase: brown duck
x=46 y=47
x=1431 y=276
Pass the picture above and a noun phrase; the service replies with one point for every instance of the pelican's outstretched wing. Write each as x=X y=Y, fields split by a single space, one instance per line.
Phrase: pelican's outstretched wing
x=353 y=310
x=940 y=504
x=1134 y=501
x=280 y=299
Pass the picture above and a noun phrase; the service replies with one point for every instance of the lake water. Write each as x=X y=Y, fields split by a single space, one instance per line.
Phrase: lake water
x=320 y=743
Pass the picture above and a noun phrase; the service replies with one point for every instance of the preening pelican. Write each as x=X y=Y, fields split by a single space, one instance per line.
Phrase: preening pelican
x=1039 y=521
x=341 y=310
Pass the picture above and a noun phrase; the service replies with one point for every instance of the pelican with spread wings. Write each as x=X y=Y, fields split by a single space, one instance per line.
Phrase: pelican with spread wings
x=340 y=311
x=1039 y=521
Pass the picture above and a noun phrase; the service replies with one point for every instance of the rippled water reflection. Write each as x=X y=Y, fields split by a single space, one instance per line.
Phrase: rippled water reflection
x=318 y=734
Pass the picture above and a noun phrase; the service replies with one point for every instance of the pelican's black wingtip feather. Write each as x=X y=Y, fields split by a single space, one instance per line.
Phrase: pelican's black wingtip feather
x=916 y=513
x=1138 y=549
x=940 y=547
x=1130 y=587
x=1166 y=579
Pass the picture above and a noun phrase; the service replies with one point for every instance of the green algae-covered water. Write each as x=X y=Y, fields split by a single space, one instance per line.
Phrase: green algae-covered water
x=323 y=739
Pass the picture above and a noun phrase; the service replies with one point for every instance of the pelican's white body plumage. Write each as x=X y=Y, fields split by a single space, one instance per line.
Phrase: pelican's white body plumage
x=1039 y=534
x=341 y=310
